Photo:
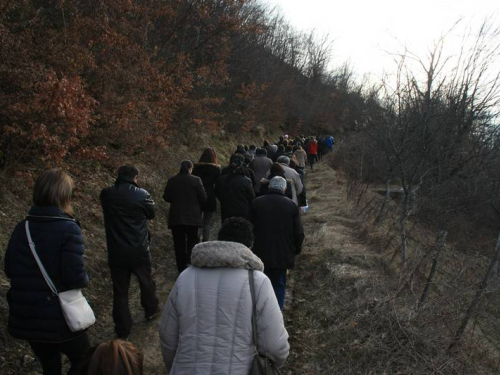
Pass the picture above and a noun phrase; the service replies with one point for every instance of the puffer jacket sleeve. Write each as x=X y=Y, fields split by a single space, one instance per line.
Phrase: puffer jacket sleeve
x=169 y=329
x=273 y=337
x=73 y=275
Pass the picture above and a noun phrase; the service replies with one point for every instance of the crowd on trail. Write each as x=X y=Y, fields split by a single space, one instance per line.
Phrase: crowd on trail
x=224 y=314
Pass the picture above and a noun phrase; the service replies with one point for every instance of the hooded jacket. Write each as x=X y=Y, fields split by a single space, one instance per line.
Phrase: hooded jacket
x=206 y=324
x=127 y=209
x=235 y=193
x=34 y=312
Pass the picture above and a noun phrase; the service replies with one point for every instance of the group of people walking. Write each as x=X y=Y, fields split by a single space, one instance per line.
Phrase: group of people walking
x=206 y=324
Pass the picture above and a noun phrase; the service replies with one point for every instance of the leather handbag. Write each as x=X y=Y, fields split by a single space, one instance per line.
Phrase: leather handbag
x=76 y=310
x=261 y=365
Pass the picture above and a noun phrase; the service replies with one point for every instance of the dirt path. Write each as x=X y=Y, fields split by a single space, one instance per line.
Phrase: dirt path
x=330 y=288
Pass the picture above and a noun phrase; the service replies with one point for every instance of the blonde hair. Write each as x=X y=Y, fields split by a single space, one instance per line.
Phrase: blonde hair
x=54 y=187
x=115 y=357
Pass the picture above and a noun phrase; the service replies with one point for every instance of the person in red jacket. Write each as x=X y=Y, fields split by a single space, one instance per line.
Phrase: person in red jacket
x=312 y=151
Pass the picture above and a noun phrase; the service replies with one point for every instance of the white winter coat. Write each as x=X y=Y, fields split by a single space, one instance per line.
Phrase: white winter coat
x=206 y=325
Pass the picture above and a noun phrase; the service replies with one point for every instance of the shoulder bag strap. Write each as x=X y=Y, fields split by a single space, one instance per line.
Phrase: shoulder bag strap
x=46 y=276
x=254 y=310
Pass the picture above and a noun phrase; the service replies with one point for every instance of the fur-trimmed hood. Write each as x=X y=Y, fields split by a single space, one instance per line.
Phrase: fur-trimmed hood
x=201 y=164
x=213 y=254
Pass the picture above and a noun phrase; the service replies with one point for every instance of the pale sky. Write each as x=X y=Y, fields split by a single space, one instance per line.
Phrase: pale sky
x=364 y=31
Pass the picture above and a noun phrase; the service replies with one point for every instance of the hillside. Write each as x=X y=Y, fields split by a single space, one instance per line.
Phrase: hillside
x=341 y=311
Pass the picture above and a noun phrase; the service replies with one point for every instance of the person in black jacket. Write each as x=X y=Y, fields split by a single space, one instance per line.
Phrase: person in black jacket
x=186 y=196
x=35 y=314
x=278 y=234
x=234 y=190
x=127 y=209
x=209 y=171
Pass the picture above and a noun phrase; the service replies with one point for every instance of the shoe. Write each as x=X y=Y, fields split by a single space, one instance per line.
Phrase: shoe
x=154 y=315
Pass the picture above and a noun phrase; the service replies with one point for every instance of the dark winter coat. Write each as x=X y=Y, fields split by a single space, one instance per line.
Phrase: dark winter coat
x=235 y=194
x=34 y=312
x=127 y=209
x=209 y=174
x=186 y=196
x=246 y=172
x=278 y=230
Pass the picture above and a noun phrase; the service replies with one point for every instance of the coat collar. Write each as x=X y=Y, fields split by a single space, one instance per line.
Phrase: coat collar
x=214 y=254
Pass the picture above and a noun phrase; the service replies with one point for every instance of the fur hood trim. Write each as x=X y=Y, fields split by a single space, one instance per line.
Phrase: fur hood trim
x=207 y=164
x=213 y=254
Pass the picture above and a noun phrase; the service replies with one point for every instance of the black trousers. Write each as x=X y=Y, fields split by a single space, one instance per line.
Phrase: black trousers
x=49 y=354
x=185 y=237
x=121 y=283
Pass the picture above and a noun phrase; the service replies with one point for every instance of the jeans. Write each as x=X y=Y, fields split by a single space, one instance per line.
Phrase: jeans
x=278 y=280
x=121 y=283
x=205 y=230
x=49 y=354
x=185 y=237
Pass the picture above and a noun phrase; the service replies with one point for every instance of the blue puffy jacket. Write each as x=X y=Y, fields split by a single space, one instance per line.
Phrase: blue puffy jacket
x=34 y=312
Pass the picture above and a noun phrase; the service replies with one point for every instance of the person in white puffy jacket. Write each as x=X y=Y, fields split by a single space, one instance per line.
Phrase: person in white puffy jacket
x=206 y=325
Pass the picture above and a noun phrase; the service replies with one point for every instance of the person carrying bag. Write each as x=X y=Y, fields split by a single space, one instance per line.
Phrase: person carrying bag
x=76 y=310
x=37 y=312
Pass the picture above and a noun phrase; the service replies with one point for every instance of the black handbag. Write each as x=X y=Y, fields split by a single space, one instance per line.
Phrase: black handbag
x=261 y=365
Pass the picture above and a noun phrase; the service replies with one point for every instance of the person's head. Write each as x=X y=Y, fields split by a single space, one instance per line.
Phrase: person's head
x=54 y=187
x=277 y=183
x=186 y=167
x=252 y=147
x=266 y=143
x=128 y=173
x=208 y=156
x=236 y=229
x=261 y=152
x=284 y=160
x=236 y=162
x=281 y=148
x=240 y=148
x=289 y=148
x=277 y=170
x=115 y=357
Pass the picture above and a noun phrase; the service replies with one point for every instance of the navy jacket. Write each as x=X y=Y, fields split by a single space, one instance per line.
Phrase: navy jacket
x=34 y=312
x=127 y=209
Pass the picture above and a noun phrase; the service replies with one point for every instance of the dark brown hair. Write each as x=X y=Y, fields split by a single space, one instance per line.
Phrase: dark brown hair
x=277 y=170
x=54 y=188
x=208 y=156
x=115 y=357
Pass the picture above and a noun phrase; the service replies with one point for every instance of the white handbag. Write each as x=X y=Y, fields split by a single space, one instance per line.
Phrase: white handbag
x=76 y=310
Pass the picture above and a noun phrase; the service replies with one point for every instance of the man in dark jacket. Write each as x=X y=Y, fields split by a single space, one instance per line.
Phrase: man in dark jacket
x=234 y=190
x=278 y=234
x=127 y=209
x=186 y=196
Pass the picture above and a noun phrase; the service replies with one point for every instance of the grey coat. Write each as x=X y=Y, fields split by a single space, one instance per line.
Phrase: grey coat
x=206 y=324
